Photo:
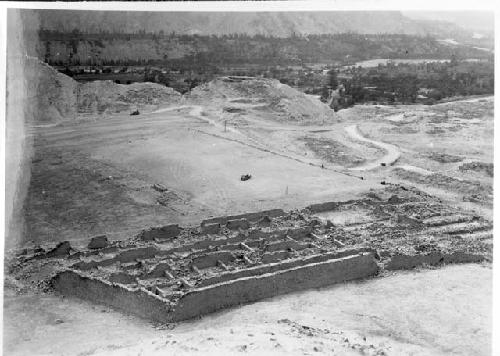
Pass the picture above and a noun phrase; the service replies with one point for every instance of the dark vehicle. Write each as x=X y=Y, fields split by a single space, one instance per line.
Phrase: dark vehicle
x=136 y=112
x=245 y=177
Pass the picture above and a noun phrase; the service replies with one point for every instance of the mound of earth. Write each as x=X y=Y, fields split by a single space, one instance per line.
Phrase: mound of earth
x=101 y=96
x=48 y=94
x=53 y=96
x=283 y=101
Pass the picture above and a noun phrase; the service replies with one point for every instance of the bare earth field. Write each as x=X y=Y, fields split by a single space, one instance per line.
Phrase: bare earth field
x=102 y=173
x=119 y=174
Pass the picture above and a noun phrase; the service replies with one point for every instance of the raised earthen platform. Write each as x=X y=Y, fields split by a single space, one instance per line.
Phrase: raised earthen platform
x=167 y=301
x=171 y=273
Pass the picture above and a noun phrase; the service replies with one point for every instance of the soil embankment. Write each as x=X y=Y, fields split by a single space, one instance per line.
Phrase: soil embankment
x=53 y=97
x=260 y=95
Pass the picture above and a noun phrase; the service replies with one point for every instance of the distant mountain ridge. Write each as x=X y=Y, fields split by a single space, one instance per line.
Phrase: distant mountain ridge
x=477 y=21
x=279 y=24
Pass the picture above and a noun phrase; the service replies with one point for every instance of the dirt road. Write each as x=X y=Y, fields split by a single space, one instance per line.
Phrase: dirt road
x=388 y=159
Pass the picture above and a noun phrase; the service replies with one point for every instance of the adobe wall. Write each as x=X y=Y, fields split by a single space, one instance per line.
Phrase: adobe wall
x=274 y=267
x=321 y=207
x=160 y=232
x=139 y=302
x=400 y=261
x=331 y=205
x=216 y=296
x=166 y=278
x=244 y=290
x=248 y=216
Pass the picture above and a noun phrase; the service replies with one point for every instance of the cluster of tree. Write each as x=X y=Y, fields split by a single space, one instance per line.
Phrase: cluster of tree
x=403 y=86
x=244 y=49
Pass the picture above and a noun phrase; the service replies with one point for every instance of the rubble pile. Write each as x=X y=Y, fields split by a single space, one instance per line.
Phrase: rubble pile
x=107 y=96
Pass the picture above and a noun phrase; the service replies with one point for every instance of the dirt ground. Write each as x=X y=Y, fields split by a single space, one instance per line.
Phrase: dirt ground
x=438 y=145
x=100 y=175
x=92 y=177
x=97 y=177
x=422 y=312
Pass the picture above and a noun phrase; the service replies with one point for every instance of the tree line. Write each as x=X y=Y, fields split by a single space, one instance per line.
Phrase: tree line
x=200 y=50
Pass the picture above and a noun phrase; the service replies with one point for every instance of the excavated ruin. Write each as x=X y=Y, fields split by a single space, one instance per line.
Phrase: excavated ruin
x=172 y=273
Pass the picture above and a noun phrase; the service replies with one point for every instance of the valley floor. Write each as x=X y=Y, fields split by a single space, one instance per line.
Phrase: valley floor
x=120 y=174
x=95 y=177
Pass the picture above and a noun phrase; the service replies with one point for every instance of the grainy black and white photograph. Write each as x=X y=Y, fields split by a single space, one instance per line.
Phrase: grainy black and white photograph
x=248 y=181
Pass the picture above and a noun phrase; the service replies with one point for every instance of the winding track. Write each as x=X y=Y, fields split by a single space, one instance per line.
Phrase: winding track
x=389 y=158
x=196 y=112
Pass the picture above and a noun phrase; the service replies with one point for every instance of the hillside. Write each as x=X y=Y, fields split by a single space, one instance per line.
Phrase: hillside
x=266 y=97
x=53 y=96
x=56 y=97
x=50 y=95
x=105 y=38
x=281 y=24
x=192 y=52
x=477 y=21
